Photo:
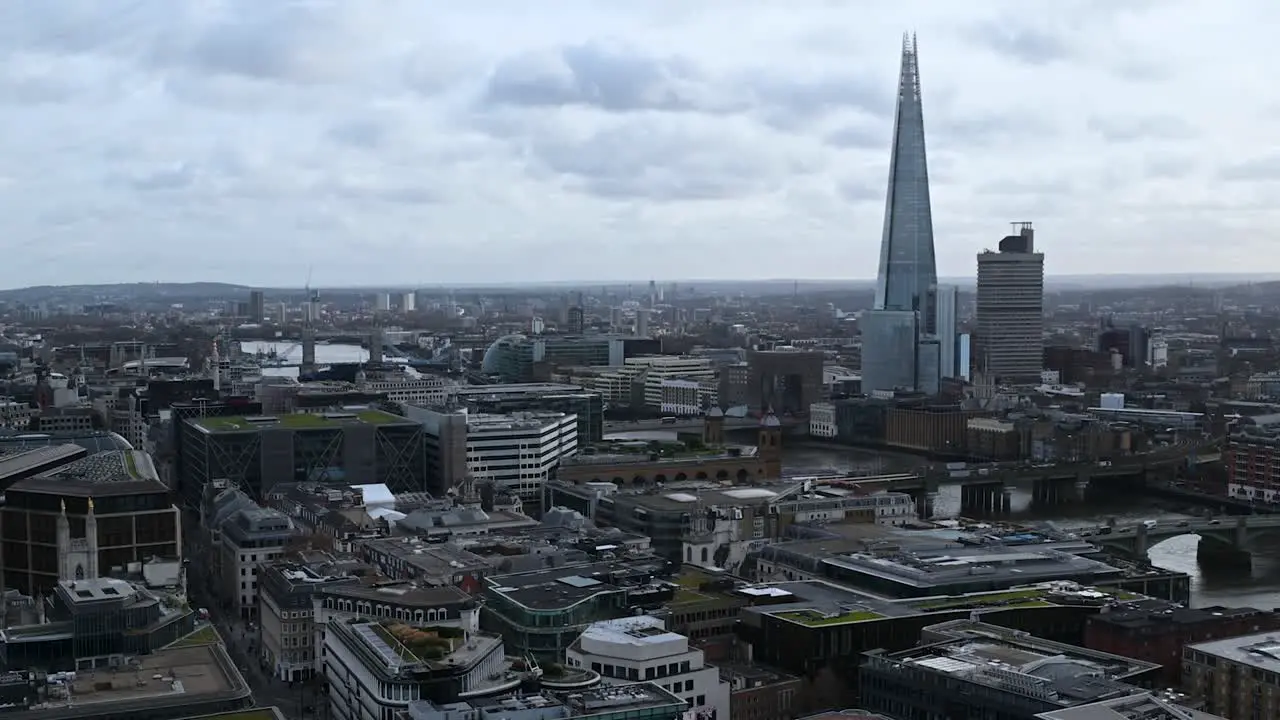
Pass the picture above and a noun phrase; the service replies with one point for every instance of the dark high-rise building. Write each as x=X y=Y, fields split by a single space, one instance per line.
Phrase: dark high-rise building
x=1133 y=342
x=905 y=309
x=257 y=306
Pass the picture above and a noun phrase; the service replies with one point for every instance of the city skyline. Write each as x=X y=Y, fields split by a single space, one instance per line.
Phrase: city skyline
x=404 y=145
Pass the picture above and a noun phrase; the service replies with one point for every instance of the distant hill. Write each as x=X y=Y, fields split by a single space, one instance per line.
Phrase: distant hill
x=144 y=290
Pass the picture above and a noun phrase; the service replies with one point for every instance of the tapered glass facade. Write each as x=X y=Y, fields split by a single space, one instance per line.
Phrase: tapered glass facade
x=907 y=268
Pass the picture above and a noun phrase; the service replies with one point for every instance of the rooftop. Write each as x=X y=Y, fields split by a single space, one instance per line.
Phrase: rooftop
x=296 y=421
x=613 y=701
x=406 y=594
x=927 y=567
x=569 y=585
x=1133 y=707
x=1260 y=650
x=815 y=603
x=1144 y=617
x=109 y=472
x=638 y=630
x=170 y=678
x=1017 y=662
x=491 y=422
x=262 y=713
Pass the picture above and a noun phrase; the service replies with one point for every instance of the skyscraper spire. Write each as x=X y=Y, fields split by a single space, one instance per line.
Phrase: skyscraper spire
x=907 y=268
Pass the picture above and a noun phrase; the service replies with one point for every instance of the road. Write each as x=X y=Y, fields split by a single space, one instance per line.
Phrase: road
x=242 y=643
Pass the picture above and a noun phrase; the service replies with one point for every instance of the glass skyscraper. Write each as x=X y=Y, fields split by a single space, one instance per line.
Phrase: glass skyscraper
x=907 y=269
x=904 y=344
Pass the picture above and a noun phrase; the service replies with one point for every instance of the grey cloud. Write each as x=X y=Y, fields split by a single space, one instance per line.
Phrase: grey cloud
x=958 y=130
x=621 y=80
x=1151 y=127
x=633 y=162
x=1266 y=168
x=859 y=137
x=178 y=177
x=857 y=191
x=361 y=133
x=1024 y=44
x=1168 y=166
x=1027 y=186
x=611 y=79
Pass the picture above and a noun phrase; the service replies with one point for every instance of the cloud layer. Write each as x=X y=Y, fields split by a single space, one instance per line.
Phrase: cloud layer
x=403 y=143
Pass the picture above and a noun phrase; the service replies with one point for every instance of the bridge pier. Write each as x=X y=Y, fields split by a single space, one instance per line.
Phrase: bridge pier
x=926 y=502
x=1211 y=553
x=985 y=499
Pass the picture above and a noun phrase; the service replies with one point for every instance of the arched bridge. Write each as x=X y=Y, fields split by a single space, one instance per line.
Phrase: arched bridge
x=1226 y=535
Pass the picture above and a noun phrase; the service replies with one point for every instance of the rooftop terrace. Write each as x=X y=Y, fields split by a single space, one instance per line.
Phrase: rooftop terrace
x=296 y=421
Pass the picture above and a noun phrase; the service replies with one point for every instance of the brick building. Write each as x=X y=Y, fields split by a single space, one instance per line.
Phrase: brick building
x=1158 y=634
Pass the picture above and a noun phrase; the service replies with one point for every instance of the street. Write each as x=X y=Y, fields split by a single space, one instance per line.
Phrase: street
x=243 y=646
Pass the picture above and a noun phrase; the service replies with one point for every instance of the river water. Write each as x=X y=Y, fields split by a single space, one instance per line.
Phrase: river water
x=1259 y=589
x=291 y=352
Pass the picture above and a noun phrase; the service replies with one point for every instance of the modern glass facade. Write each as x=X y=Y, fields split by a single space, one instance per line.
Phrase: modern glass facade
x=907 y=268
x=889 y=342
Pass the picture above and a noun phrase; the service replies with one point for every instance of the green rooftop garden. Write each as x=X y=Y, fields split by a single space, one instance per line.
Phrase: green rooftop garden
x=295 y=421
x=415 y=644
x=980 y=601
x=130 y=463
x=203 y=636
x=813 y=618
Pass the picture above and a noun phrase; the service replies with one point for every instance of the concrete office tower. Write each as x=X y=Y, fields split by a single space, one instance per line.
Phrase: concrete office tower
x=904 y=311
x=383 y=302
x=1010 y=309
x=257 y=306
x=408 y=302
x=642 y=323
x=946 y=299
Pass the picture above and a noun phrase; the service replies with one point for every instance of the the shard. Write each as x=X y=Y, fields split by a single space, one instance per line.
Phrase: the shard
x=908 y=337
x=907 y=269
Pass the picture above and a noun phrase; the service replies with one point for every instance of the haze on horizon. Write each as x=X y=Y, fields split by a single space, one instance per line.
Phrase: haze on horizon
x=401 y=143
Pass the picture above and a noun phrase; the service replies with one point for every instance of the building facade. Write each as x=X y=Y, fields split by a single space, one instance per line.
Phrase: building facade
x=1010 y=309
x=254 y=452
x=641 y=648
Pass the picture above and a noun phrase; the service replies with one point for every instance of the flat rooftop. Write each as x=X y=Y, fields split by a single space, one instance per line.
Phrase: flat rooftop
x=493 y=422
x=815 y=603
x=923 y=568
x=262 y=713
x=1133 y=707
x=1260 y=650
x=113 y=472
x=569 y=585
x=1018 y=662
x=515 y=389
x=297 y=421
x=25 y=462
x=683 y=499
x=173 y=677
x=404 y=593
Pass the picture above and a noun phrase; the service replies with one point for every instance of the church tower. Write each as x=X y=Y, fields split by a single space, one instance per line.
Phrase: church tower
x=769 y=445
x=79 y=555
x=713 y=427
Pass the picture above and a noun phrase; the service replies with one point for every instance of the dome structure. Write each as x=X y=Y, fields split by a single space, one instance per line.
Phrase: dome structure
x=492 y=361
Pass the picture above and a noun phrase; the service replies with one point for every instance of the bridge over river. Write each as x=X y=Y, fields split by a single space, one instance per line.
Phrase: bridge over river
x=1227 y=539
x=987 y=490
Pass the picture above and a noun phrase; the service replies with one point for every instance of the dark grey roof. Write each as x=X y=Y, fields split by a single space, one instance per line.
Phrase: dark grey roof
x=94 y=441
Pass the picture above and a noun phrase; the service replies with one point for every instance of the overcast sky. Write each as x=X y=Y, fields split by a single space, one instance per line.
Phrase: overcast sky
x=408 y=142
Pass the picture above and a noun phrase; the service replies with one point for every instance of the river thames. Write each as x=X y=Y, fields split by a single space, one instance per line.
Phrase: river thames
x=1259 y=589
